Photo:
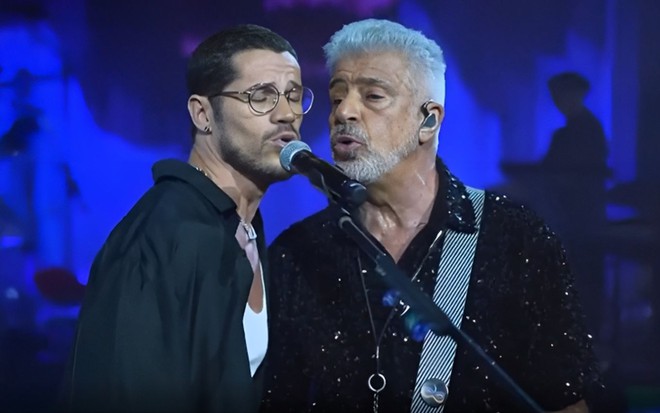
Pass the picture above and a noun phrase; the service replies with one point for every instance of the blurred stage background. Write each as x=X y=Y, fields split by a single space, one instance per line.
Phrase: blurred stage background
x=93 y=92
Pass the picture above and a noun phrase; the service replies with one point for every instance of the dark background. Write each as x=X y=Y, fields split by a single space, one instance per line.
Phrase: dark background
x=92 y=93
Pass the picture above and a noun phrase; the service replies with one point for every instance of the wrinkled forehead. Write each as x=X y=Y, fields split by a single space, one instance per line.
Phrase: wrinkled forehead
x=387 y=67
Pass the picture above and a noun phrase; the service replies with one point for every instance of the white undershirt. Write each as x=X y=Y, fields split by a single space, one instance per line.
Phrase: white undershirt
x=255 y=326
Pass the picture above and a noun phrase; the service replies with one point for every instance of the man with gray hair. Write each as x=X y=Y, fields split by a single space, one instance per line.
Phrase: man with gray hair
x=342 y=340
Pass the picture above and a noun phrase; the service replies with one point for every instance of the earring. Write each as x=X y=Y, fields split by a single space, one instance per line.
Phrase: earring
x=207 y=129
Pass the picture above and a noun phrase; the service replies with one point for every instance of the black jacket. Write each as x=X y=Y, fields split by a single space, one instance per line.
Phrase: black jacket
x=521 y=309
x=161 y=326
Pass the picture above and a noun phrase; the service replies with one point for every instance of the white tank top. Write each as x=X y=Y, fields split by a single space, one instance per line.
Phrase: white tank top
x=255 y=326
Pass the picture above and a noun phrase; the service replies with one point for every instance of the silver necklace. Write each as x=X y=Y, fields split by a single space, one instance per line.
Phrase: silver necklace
x=247 y=227
x=199 y=169
x=377 y=380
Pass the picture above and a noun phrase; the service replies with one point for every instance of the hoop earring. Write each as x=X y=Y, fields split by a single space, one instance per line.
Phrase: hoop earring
x=207 y=129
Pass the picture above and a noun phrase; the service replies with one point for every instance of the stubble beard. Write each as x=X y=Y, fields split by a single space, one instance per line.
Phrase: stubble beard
x=254 y=167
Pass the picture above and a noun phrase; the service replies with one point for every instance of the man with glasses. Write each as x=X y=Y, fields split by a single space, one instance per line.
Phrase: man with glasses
x=175 y=313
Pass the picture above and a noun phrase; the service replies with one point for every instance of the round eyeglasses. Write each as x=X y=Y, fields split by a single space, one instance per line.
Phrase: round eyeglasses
x=264 y=97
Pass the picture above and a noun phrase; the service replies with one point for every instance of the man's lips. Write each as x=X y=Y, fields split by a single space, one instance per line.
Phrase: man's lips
x=281 y=139
x=346 y=142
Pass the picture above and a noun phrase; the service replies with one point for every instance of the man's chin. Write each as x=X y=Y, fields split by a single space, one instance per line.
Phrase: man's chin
x=269 y=173
x=282 y=175
x=277 y=174
x=344 y=164
x=350 y=168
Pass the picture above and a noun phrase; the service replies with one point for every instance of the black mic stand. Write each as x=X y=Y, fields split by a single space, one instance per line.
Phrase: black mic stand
x=422 y=305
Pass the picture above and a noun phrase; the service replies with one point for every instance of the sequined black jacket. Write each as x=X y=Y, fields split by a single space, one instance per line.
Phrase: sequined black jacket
x=521 y=308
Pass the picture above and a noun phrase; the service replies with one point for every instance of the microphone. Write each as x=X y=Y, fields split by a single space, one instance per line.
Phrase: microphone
x=297 y=156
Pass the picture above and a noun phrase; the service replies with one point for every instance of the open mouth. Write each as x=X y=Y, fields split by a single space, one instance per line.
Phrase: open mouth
x=283 y=139
x=346 y=143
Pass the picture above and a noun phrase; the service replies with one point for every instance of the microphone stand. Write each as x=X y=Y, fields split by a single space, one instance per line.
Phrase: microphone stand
x=422 y=305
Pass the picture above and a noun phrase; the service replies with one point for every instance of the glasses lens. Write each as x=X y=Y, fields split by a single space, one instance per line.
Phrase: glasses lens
x=264 y=98
x=300 y=99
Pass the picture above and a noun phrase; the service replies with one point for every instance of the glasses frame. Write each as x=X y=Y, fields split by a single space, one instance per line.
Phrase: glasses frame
x=249 y=91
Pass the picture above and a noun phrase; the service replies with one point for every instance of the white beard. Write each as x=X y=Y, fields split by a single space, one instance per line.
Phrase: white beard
x=370 y=166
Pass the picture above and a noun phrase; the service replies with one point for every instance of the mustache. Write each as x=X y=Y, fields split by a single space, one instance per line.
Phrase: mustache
x=349 y=130
x=282 y=129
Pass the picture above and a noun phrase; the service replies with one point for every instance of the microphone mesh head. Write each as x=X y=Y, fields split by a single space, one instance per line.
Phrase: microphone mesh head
x=290 y=150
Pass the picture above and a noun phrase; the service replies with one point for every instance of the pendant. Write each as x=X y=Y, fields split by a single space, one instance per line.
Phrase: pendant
x=249 y=230
x=376 y=383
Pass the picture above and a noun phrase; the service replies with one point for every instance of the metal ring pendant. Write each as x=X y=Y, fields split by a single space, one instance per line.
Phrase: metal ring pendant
x=377 y=389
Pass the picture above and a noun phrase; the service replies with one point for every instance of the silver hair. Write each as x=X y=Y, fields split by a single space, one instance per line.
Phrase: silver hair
x=374 y=35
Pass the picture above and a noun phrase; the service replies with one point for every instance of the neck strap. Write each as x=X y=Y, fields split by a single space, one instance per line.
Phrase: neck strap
x=438 y=352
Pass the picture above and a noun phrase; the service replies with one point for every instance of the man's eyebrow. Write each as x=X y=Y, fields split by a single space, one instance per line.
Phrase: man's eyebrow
x=364 y=81
x=294 y=84
x=372 y=81
x=334 y=82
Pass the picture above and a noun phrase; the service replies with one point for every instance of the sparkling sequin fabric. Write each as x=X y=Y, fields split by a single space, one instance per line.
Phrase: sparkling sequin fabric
x=521 y=309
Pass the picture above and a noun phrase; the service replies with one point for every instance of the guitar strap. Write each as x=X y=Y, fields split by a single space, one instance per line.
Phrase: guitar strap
x=450 y=292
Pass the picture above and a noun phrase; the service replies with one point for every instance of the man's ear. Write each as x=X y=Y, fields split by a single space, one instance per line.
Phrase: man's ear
x=199 y=109
x=434 y=114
